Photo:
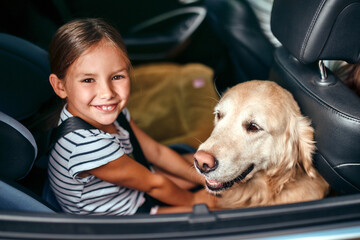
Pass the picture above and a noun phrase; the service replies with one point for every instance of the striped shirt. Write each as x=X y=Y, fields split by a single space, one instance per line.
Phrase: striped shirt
x=83 y=150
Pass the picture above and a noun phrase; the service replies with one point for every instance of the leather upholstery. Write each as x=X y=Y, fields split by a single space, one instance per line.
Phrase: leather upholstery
x=24 y=88
x=335 y=115
x=250 y=52
x=18 y=149
x=307 y=29
x=15 y=198
x=25 y=70
x=313 y=29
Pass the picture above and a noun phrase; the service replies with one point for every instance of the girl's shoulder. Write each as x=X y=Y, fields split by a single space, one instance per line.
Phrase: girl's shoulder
x=82 y=136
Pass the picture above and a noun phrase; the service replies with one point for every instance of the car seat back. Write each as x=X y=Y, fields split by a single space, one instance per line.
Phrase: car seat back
x=18 y=148
x=25 y=87
x=24 y=70
x=250 y=52
x=312 y=31
x=18 y=151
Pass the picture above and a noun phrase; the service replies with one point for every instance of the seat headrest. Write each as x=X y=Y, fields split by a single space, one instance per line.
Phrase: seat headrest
x=311 y=30
x=24 y=74
x=18 y=149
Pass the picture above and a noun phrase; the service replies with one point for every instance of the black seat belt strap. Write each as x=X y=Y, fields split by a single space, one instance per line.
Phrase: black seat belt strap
x=69 y=125
x=137 y=151
x=74 y=123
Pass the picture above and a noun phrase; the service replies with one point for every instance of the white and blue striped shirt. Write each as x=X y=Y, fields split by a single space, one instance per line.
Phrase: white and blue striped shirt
x=83 y=150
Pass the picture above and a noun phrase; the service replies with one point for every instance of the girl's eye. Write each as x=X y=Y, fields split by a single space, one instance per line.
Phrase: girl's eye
x=118 y=77
x=88 y=80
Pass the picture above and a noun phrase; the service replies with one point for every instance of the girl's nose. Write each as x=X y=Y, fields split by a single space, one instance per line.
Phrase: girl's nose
x=106 y=91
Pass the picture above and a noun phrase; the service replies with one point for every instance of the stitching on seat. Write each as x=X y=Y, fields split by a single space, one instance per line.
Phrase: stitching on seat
x=310 y=29
x=347 y=164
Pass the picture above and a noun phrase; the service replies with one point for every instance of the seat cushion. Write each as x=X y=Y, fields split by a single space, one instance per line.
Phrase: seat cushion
x=14 y=197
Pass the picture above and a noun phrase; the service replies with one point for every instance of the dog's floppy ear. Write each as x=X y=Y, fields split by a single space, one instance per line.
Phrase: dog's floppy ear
x=306 y=145
x=288 y=158
x=297 y=153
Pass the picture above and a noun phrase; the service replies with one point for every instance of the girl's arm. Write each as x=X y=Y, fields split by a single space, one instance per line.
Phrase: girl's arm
x=126 y=172
x=165 y=158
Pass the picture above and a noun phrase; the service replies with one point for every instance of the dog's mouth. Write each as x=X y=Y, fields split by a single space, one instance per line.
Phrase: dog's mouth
x=217 y=186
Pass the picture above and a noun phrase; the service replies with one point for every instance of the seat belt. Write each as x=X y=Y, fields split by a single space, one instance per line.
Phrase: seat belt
x=74 y=123
x=137 y=151
x=69 y=125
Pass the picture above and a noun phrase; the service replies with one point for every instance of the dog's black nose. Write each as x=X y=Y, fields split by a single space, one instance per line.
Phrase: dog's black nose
x=205 y=162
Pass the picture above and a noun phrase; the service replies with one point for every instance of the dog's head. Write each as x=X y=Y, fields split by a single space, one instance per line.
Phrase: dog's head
x=258 y=127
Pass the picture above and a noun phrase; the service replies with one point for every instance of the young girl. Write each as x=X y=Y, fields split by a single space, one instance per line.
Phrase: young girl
x=91 y=171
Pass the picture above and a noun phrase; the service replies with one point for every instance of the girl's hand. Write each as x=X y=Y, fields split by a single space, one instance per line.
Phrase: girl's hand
x=205 y=197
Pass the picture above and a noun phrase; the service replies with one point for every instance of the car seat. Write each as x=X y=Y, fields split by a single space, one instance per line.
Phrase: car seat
x=312 y=31
x=24 y=69
x=25 y=72
x=18 y=151
x=250 y=52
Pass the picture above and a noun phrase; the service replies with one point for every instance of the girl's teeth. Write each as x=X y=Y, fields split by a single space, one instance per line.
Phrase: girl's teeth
x=106 y=108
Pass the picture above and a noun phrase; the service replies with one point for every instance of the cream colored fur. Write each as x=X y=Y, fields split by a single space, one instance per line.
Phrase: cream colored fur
x=281 y=150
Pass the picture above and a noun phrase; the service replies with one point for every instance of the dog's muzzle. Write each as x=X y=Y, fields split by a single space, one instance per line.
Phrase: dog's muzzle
x=217 y=186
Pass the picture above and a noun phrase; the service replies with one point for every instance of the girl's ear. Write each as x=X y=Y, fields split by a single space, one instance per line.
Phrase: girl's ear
x=58 y=86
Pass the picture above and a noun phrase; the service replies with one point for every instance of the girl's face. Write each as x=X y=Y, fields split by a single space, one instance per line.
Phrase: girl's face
x=97 y=85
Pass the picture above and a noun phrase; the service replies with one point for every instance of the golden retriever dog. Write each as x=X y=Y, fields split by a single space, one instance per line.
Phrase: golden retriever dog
x=260 y=150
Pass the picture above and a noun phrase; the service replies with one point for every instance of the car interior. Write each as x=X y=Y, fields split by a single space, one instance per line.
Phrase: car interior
x=332 y=106
x=226 y=37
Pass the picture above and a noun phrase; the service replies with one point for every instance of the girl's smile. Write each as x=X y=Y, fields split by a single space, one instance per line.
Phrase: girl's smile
x=97 y=85
x=106 y=108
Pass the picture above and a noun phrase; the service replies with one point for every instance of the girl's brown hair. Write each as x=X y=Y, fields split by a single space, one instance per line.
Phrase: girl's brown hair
x=68 y=43
x=75 y=37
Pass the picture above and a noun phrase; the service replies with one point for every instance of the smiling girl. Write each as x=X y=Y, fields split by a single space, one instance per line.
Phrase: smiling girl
x=90 y=170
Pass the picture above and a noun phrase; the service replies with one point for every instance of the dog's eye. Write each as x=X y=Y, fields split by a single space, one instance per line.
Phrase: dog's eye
x=218 y=115
x=252 y=127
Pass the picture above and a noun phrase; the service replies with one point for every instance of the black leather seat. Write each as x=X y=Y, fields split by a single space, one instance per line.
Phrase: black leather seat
x=24 y=71
x=25 y=87
x=313 y=30
x=18 y=151
x=250 y=52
